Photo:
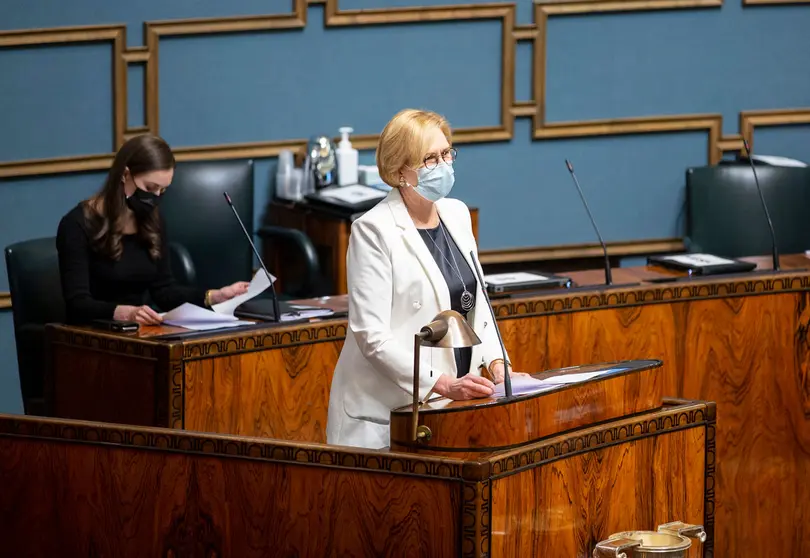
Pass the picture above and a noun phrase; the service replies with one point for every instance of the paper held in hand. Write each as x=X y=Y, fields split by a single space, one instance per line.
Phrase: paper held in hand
x=524 y=385
x=191 y=316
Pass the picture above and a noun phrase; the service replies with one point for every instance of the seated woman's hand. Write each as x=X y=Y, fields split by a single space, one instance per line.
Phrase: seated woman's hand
x=141 y=314
x=467 y=387
x=227 y=293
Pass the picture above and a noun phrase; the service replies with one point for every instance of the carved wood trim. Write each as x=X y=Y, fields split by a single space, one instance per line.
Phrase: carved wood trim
x=103 y=342
x=688 y=415
x=5 y=300
x=256 y=449
x=476 y=498
x=335 y=330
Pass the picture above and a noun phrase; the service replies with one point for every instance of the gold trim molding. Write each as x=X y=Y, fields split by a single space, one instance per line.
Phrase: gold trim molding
x=113 y=34
x=510 y=109
x=5 y=300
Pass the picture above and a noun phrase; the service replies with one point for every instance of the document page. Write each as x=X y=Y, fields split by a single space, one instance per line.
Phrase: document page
x=258 y=285
x=523 y=385
x=191 y=316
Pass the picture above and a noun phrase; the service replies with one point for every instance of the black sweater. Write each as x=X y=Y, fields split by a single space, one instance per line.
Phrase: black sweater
x=93 y=284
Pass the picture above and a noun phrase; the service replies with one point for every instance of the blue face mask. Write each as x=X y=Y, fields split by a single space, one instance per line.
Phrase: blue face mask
x=435 y=184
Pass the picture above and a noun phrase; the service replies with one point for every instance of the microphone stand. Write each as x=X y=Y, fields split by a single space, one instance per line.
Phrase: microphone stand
x=507 y=378
x=276 y=312
x=775 y=250
x=608 y=276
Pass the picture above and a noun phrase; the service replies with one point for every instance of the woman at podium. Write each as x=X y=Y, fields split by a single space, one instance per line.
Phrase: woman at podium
x=113 y=250
x=409 y=259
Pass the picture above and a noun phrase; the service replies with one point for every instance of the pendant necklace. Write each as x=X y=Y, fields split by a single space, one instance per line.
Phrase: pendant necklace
x=466 y=297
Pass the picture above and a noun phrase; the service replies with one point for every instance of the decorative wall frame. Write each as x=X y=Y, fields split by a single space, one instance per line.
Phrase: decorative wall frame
x=148 y=56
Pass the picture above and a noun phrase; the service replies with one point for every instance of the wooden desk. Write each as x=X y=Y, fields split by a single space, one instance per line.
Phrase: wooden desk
x=740 y=341
x=329 y=232
x=73 y=488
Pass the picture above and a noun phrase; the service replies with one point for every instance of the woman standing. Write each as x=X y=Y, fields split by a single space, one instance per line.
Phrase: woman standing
x=409 y=259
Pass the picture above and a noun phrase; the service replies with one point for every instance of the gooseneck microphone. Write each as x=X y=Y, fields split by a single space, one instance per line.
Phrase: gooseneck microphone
x=774 y=249
x=507 y=378
x=608 y=276
x=276 y=313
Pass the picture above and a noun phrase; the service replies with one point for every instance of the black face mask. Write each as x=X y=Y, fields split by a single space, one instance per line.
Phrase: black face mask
x=142 y=203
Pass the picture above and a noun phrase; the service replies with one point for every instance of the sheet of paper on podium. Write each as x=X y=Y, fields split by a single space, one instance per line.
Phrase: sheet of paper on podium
x=524 y=385
x=191 y=316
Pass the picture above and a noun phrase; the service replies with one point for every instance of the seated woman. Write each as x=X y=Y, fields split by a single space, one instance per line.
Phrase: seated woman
x=409 y=259
x=113 y=252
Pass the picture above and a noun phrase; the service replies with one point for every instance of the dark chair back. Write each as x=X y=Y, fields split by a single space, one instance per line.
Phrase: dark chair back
x=725 y=216
x=199 y=219
x=36 y=299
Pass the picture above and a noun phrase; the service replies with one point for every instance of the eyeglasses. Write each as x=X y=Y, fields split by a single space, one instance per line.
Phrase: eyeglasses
x=432 y=159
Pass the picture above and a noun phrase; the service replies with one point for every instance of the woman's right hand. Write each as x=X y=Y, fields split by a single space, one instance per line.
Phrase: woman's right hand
x=141 y=314
x=466 y=387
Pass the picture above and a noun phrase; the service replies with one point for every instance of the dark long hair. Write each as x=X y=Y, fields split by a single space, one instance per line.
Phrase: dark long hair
x=106 y=211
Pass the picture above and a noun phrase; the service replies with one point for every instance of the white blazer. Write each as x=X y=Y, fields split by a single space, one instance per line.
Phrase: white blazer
x=395 y=288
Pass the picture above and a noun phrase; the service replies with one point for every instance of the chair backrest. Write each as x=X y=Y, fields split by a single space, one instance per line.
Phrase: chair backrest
x=725 y=216
x=36 y=299
x=36 y=286
x=199 y=219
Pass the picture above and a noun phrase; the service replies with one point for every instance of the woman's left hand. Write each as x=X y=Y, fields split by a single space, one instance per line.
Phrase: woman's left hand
x=496 y=371
x=227 y=293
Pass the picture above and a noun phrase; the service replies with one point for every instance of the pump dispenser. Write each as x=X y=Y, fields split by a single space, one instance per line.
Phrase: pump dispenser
x=347 y=159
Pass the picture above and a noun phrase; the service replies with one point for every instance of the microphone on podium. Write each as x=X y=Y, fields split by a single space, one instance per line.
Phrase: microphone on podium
x=276 y=312
x=507 y=379
x=774 y=249
x=608 y=276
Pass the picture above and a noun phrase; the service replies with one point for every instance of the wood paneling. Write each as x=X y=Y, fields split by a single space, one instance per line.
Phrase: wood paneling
x=483 y=426
x=577 y=251
x=92 y=385
x=267 y=393
x=740 y=341
x=747 y=354
x=566 y=507
x=92 y=489
x=64 y=499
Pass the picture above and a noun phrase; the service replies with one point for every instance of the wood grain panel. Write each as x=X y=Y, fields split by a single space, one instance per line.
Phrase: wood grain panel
x=63 y=499
x=282 y=394
x=750 y=356
x=562 y=509
x=93 y=385
x=742 y=355
x=480 y=427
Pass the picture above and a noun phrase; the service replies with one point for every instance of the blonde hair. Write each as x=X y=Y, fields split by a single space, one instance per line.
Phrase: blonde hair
x=404 y=140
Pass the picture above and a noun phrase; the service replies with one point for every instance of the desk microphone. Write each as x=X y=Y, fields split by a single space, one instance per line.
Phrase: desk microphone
x=507 y=379
x=608 y=277
x=276 y=312
x=764 y=207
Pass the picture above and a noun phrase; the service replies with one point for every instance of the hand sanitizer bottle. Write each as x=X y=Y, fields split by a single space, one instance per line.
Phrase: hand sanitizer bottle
x=347 y=159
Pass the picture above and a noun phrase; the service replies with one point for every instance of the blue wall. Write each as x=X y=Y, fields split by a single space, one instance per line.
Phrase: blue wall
x=216 y=89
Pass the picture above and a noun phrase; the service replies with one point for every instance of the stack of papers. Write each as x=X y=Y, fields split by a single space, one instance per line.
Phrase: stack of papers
x=523 y=385
x=191 y=316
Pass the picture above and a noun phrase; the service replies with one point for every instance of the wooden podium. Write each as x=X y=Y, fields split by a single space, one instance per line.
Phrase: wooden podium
x=566 y=469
